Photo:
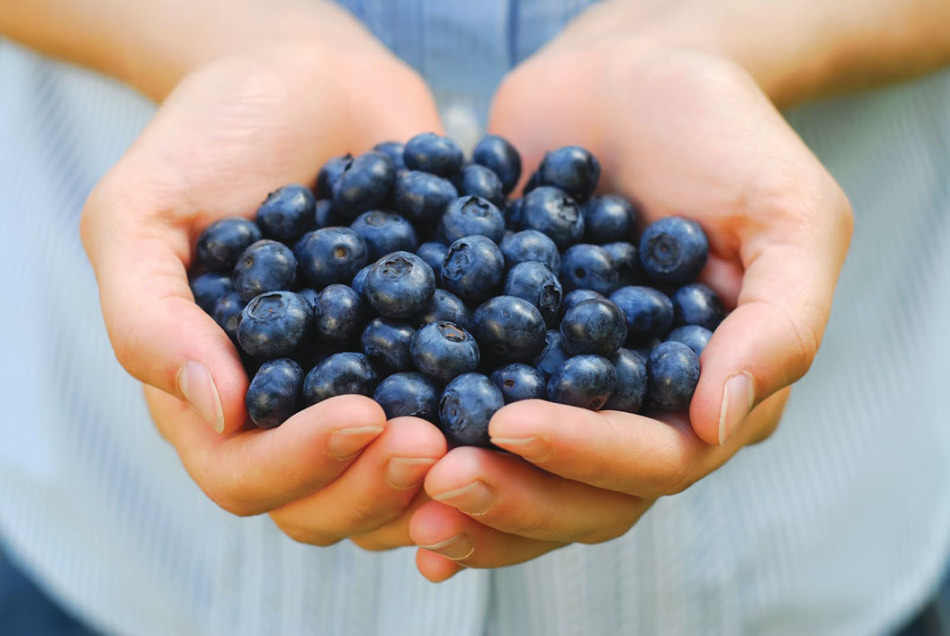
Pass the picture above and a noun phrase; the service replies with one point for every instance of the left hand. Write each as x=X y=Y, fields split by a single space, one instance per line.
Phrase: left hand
x=678 y=132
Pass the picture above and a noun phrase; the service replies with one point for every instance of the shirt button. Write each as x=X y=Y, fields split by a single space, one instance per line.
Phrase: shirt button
x=461 y=124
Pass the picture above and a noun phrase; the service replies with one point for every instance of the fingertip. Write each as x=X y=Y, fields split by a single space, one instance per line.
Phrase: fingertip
x=434 y=567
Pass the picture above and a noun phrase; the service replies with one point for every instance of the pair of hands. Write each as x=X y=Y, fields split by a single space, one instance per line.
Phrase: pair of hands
x=679 y=132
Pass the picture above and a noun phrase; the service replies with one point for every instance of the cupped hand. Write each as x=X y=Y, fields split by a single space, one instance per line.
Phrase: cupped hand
x=232 y=130
x=678 y=132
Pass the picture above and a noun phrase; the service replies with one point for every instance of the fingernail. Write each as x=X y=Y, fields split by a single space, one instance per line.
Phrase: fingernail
x=533 y=449
x=197 y=387
x=402 y=473
x=347 y=442
x=474 y=499
x=456 y=548
x=737 y=400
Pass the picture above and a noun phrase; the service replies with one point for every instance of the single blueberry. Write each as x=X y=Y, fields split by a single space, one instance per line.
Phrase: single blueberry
x=345 y=373
x=473 y=268
x=393 y=150
x=359 y=280
x=519 y=381
x=465 y=409
x=384 y=232
x=552 y=355
x=530 y=245
x=364 y=185
x=275 y=325
x=595 y=326
x=330 y=173
x=433 y=253
x=409 y=394
x=537 y=284
x=608 y=219
x=693 y=336
x=387 y=342
x=572 y=298
x=626 y=261
x=339 y=314
x=399 y=285
x=673 y=250
x=421 y=197
x=221 y=243
x=447 y=307
x=324 y=214
x=264 y=266
x=209 y=287
x=330 y=255
x=649 y=312
x=443 y=350
x=478 y=181
x=572 y=169
x=673 y=370
x=433 y=153
x=468 y=216
x=551 y=211
x=509 y=329
x=586 y=266
x=227 y=313
x=274 y=393
x=585 y=381
x=287 y=213
x=497 y=154
x=697 y=304
x=631 y=392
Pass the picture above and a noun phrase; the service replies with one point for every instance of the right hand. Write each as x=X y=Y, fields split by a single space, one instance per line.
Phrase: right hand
x=232 y=130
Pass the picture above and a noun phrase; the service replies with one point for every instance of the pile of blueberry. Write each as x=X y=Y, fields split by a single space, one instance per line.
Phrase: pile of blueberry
x=410 y=276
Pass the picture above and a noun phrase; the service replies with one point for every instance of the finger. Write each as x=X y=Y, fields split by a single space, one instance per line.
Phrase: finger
x=374 y=491
x=394 y=534
x=512 y=496
x=450 y=534
x=618 y=451
x=255 y=471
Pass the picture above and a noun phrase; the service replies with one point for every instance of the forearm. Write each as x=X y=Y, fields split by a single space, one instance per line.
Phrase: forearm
x=152 y=44
x=795 y=49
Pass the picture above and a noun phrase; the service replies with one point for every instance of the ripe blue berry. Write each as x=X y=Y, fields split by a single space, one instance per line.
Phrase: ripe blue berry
x=478 y=181
x=443 y=350
x=571 y=299
x=324 y=214
x=221 y=243
x=586 y=266
x=673 y=250
x=608 y=219
x=530 y=245
x=399 y=285
x=433 y=253
x=393 y=150
x=330 y=255
x=264 y=266
x=537 y=284
x=274 y=393
x=673 y=370
x=595 y=326
x=287 y=213
x=345 y=373
x=466 y=407
x=497 y=154
x=551 y=211
x=409 y=394
x=470 y=215
x=697 y=304
x=585 y=381
x=227 y=313
x=473 y=269
x=693 y=336
x=387 y=342
x=625 y=260
x=421 y=197
x=649 y=312
x=509 y=329
x=519 y=381
x=275 y=325
x=384 y=232
x=572 y=169
x=552 y=354
x=446 y=307
x=631 y=391
x=330 y=173
x=433 y=153
x=339 y=314
x=209 y=287
x=365 y=184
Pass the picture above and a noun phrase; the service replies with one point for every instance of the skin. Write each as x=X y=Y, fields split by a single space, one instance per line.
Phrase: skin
x=690 y=93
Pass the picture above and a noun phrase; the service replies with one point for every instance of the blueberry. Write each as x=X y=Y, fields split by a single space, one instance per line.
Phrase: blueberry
x=345 y=373
x=551 y=211
x=221 y=243
x=649 y=312
x=387 y=342
x=509 y=329
x=330 y=173
x=443 y=350
x=513 y=213
x=674 y=373
x=421 y=197
x=324 y=214
x=274 y=393
x=393 y=150
x=572 y=169
x=209 y=287
x=586 y=266
x=697 y=304
x=287 y=213
x=673 y=250
x=693 y=336
x=530 y=245
x=330 y=255
x=497 y=154
x=339 y=314
x=364 y=185
x=519 y=381
x=433 y=153
x=552 y=355
x=275 y=325
x=408 y=394
x=608 y=219
x=572 y=298
x=479 y=181
x=466 y=407
x=359 y=280
x=595 y=326
x=468 y=216
x=537 y=284
x=626 y=261
x=631 y=391
x=473 y=268
x=227 y=313
x=399 y=285
x=384 y=232
x=586 y=381
x=433 y=253
x=447 y=307
x=264 y=266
